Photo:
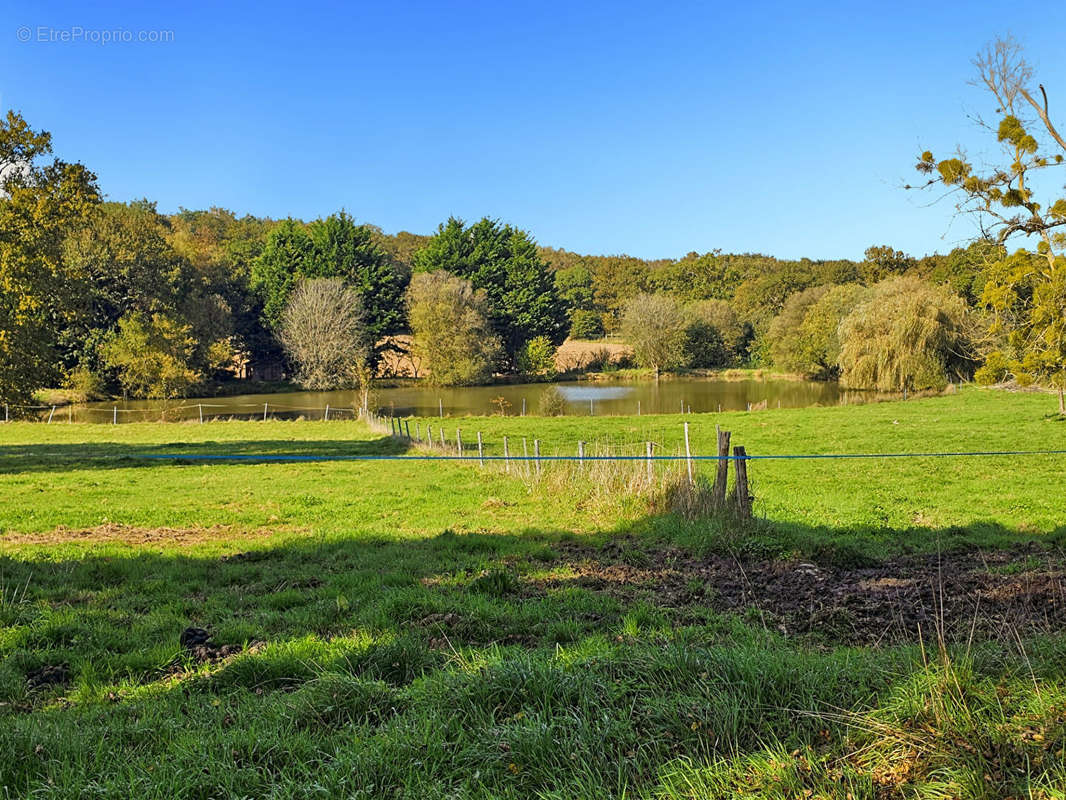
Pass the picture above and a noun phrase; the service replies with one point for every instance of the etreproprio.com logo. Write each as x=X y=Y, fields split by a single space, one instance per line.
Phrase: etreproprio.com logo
x=76 y=34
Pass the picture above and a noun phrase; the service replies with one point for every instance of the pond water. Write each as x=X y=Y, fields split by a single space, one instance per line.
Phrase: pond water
x=582 y=398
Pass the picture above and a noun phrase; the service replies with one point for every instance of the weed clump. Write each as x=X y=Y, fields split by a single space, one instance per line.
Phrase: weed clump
x=495 y=583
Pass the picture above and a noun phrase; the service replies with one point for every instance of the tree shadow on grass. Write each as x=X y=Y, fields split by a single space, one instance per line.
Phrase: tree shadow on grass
x=372 y=664
x=17 y=459
x=534 y=588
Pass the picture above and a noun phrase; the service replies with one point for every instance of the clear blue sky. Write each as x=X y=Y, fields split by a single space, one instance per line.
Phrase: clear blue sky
x=647 y=128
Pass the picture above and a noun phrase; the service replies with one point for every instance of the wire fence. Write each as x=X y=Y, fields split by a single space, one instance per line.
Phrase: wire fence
x=185 y=412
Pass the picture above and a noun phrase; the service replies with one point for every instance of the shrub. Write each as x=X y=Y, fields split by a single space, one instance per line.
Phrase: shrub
x=704 y=347
x=85 y=385
x=551 y=403
x=599 y=360
x=537 y=358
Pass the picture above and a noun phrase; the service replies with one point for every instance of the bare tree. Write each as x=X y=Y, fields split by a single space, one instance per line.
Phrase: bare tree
x=324 y=332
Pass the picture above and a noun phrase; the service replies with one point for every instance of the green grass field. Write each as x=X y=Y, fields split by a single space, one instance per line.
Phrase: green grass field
x=430 y=629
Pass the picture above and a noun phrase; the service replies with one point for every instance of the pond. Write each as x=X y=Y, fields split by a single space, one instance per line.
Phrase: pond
x=582 y=398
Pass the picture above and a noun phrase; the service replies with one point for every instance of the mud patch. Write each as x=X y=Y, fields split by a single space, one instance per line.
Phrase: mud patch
x=197 y=647
x=956 y=595
x=50 y=675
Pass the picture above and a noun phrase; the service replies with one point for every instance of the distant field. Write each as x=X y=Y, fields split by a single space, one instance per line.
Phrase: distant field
x=432 y=629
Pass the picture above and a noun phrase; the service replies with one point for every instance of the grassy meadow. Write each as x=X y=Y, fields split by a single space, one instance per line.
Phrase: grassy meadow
x=426 y=629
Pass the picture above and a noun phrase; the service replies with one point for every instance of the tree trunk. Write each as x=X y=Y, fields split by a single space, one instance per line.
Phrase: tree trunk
x=1062 y=401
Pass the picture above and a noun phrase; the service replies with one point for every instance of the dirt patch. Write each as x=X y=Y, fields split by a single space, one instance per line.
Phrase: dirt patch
x=984 y=594
x=133 y=535
x=49 y=675
x=197 y=647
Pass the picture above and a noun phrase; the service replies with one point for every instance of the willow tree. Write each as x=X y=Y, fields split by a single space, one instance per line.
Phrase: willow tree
x=1019 y=199
x=907 y=335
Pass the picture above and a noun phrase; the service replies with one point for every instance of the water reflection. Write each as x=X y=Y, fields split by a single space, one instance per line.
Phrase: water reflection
x=601 y=398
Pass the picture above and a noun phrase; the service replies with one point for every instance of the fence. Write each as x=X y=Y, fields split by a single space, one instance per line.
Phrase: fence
x=187 y=412
x=443 y=446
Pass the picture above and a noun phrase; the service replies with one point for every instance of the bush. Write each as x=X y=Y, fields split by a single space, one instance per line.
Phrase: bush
x=552 y=403
x=85 y=385
x=537 y=358
x=704 y=347
x=586 y=324
x=599 y=360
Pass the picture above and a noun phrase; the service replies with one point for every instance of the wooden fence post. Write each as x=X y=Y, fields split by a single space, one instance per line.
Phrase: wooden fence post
x=265 y=412
x=721 y=477
x=407 y=429
x=581 y=456
x=114 y=415
x=50 y=413
x=688 y=455
x=536 y=453
x=506 y=457
x=480 y=451
x=443 y=445
x=325 y=417
x=647 y=458
x=459 y=441
x=742 y=495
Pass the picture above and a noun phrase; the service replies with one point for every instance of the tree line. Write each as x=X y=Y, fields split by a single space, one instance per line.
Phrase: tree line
x=112 y=298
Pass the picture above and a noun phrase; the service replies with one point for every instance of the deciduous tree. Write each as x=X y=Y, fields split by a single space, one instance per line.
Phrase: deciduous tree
x=504 y=263
x=41 y=204
x=452 y=333
x=654 y=326
x=325 y=335
x=152 y=356
x=1018 y=199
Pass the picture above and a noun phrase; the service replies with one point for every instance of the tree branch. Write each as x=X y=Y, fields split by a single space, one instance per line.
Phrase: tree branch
x=1043 y=112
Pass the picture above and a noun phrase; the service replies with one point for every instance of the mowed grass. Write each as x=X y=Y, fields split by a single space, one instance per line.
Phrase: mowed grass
x=392 y=643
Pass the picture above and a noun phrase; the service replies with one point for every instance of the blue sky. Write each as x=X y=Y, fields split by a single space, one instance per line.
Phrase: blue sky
x=647 y=128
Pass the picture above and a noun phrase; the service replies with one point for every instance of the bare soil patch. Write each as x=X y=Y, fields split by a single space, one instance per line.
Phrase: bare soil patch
x=955 y=595
x=133 y=535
